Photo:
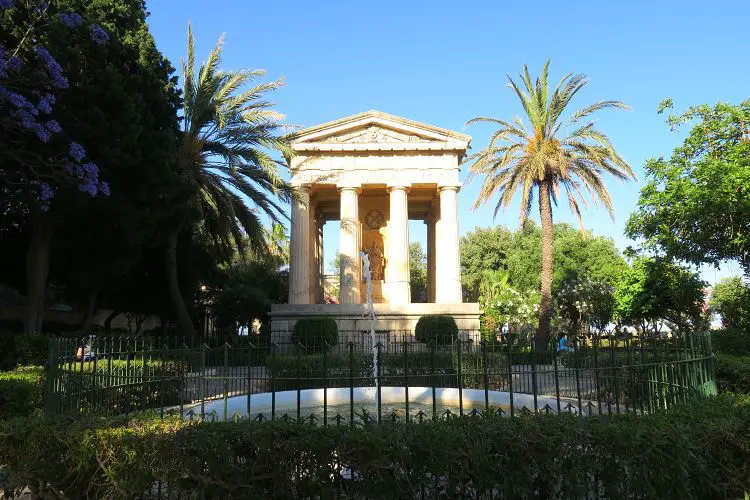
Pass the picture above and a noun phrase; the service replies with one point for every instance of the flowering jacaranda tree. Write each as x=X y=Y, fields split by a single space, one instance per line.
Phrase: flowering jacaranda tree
x=103 y=119
x=31 y=81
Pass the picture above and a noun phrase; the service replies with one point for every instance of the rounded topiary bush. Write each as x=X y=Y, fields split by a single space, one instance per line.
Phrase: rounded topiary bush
x=315 y=333
x=436 y=328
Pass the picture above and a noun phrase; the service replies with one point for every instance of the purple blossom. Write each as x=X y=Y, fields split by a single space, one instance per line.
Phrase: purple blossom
x=46 y=193
x=54 y=70
x=6 y=4
x=41 y=132
x=70 y=19
x=16 y=100
x=42 y=6
x=25 y=119
x=45 y=103
x=104 y=188
x=99 y=34
x=77 y=152
x=53 y=126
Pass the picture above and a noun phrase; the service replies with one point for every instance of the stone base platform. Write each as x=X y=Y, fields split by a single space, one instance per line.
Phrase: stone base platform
x=352 y=317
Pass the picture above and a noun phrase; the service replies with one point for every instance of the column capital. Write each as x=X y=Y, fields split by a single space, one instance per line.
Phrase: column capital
x=357 y=188
x=398 y=187
x=449 y=187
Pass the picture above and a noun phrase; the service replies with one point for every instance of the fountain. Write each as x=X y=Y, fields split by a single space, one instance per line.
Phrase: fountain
x=373 y=321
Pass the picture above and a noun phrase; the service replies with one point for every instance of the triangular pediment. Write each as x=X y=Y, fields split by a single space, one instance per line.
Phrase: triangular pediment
x=376 y=130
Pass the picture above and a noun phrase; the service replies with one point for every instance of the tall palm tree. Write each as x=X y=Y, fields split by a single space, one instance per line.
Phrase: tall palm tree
x=226 y=135
x=550 y=153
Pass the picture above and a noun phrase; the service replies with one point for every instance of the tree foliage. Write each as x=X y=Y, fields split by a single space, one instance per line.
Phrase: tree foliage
x=654 y=292
x=696 y=203
x=731 y=299
x=417 y=272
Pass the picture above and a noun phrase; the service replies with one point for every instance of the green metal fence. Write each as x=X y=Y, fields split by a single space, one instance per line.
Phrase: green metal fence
x=606 y=374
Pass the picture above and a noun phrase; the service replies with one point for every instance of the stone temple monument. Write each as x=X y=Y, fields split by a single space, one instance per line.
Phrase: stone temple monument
x=374 y=172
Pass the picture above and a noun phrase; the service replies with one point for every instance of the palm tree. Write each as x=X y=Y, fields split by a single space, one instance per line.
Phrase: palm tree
x=549 y=154
x=226 y=135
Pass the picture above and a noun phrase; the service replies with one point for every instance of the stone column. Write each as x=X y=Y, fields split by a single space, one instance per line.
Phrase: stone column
x=430 y=221
x=313 y=254
x=299 y=273
x=349 y=245
x=321 y=268
x=448 y=286
x=397 y=265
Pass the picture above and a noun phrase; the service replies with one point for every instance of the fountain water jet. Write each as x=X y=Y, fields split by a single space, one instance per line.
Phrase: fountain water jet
x=370 y=313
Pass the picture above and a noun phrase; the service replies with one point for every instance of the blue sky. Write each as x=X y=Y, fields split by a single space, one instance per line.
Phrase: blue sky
x=445 y=62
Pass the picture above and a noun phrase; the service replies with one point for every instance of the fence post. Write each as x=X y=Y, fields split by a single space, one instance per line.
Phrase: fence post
x=533 y=374
x=577 y=344
x=432 y=380
x=555 y=352
x=225 y=377
x=483 y=344
x=614 y=370
x=297 y=382
x=325 y=384
x=351 y=384
x=201 y=384
x=460 y=379
x=273 y=381
x=510 y=374
x=250 y=347
x=406 y=378
x=377 y=380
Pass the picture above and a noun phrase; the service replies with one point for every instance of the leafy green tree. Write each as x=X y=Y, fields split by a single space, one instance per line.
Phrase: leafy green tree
x=518 y=252
x=583 y=303
x=545 y=157
x=482 y=249
x=224 y=153
x=731 y=299
x=245 y=291
x=653 y=292
x=417 y=272
x=696 y=204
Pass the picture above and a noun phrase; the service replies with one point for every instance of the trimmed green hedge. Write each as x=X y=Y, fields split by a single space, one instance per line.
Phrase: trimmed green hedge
x=316 y=332
x=436 y=328
x=700 y=451
x=21 y=392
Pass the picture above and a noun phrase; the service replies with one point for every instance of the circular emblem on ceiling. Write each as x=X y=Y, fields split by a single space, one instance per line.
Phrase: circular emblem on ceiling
x=375 y=219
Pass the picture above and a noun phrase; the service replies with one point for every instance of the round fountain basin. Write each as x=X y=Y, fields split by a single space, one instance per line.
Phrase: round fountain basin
x=338 y=401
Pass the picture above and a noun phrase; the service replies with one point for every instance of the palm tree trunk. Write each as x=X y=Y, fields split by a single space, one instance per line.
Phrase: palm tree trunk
x=37 y=270
x=184 y=323
x=545 y=307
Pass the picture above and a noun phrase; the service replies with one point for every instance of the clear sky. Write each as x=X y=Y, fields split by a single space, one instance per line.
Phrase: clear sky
x=446 y=62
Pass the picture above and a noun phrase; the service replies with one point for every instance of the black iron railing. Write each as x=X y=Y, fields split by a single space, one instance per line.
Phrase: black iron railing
x=270 y=377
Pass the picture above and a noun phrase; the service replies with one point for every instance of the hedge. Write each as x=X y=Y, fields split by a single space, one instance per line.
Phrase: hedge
x=21 y=392
x=437 y=328
x=22 y=349
x=316 y=332
x=700 y=451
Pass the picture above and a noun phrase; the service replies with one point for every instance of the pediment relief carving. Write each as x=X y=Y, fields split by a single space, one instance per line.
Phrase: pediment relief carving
x=373 y=134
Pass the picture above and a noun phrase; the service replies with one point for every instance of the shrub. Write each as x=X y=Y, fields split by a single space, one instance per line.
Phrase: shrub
x=733 y=373
x=22 y=349
x=316 y=332
x=696 y=451
x=21 y=392
x=436 y=328
x=732 y=341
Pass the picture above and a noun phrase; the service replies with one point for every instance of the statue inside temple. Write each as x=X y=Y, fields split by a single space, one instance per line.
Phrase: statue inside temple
x=377 y=261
